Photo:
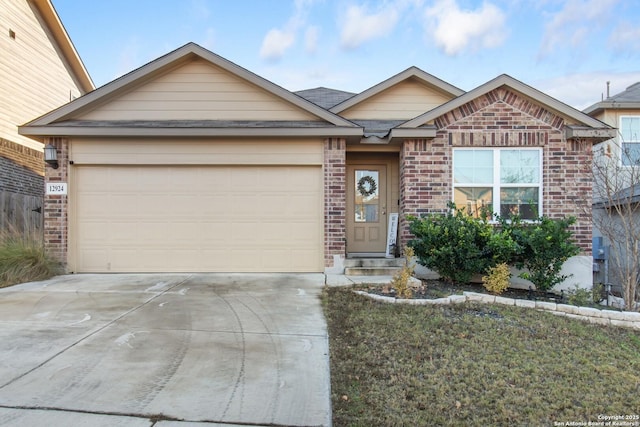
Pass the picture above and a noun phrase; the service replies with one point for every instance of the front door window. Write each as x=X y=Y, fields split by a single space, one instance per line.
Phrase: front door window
x=367 y=196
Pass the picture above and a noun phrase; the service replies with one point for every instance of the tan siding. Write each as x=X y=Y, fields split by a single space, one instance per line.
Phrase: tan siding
x=612 y=118
x=403 y=101
x=198 y=91
x=33 y=75
x=197 y=152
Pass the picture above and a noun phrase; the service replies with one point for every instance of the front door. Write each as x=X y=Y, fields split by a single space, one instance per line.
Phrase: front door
x=366 y=210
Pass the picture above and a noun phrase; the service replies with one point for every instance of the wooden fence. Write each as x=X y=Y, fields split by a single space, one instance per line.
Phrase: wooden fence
x=21 y=214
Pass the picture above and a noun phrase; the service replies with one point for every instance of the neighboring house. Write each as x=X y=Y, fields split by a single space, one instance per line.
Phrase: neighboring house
x=192 y=163
x=39 y=70
x=616 y=208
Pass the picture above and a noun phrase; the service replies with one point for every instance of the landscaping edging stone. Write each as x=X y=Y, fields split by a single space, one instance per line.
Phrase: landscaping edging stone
x=626 y=319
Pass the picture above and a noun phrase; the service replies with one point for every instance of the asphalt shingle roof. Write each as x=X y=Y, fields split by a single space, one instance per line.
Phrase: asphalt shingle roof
x=325 y=97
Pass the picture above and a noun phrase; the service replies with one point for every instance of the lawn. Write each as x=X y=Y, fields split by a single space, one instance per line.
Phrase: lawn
x=475 y=365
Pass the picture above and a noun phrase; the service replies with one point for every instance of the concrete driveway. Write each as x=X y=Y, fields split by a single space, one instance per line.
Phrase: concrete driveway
x=164 y=351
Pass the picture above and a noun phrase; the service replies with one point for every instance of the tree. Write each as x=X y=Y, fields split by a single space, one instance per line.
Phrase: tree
x=616 y=214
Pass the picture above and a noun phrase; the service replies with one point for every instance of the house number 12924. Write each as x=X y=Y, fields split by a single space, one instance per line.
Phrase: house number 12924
x=56 y=188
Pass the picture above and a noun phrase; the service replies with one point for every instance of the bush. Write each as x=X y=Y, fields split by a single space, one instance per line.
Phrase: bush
x=579 y=296
x=400 y=281
x=497 y=279
x=457 y=246
x=545 y=246
x=23 y=259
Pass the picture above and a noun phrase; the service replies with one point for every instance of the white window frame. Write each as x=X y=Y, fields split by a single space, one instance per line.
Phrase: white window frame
x=622 y=141
x=496 y=185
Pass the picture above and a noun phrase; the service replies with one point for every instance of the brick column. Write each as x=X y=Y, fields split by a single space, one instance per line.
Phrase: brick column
x=335 y=202
x=56 y=206
x=424 y=181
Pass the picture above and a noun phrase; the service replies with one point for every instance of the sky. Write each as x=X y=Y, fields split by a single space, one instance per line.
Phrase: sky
x=567 y=49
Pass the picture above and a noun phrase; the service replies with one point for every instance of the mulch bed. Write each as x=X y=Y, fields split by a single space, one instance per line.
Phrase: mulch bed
x=431 y=289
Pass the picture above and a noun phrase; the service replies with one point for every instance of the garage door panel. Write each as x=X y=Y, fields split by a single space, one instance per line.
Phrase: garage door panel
x=95 y=260
x=93 y=231
x=182 y=219
x=214 y=206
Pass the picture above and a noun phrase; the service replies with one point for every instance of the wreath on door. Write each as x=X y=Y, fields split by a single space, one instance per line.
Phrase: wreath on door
x=367 y=186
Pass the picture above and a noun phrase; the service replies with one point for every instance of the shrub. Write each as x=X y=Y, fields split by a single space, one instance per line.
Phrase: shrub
x=579 y=296
x=497 y=279
x=545 y=245
x=400 y=281
x=452 y=244
x=23 y=259
x=457 y=246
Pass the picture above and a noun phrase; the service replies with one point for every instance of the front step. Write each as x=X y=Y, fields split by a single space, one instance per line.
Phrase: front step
x=372 y=266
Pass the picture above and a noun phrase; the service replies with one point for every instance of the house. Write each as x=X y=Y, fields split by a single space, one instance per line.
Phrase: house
x=39 y=70
x=192 y=163
x=616 y=208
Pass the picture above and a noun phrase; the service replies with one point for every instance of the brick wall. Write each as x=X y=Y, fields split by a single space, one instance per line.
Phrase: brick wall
x=500 y=118
x=55 y=206
x=21 y=169
x=335 y=208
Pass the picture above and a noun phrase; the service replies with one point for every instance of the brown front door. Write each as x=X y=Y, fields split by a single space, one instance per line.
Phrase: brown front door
x=366 y=209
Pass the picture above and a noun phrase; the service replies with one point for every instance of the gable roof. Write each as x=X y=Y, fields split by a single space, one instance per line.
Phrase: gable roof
x=61 y=121
x=325 y=97
x=629 y=98
x=59 y=33
x=411 y=72
x=516 y=85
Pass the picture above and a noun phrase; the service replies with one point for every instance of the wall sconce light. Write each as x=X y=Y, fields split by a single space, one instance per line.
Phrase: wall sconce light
x=51 y=156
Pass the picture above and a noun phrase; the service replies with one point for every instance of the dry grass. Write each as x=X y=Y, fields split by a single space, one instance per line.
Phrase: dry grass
x=466 y=364
x=23 y=259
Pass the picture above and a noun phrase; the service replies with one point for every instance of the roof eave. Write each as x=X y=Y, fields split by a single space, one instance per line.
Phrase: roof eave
x=611 y=105
x=404 y=75
x=597 y=135
x=173 y=59
x=420 y=133
x=39 y=132
x=51 y=18
x=516 y=85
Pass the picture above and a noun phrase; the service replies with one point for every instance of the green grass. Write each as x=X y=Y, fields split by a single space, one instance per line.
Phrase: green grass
x=466 y=364
x=23 y=259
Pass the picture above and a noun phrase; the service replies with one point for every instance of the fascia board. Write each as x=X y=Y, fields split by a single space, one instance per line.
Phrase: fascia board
x=611 y=105
x=53 y=22
x=71 y=131
x=518 y=86
x=602 y=134
x=406 y=74
x=174 y=59
x=413 y=132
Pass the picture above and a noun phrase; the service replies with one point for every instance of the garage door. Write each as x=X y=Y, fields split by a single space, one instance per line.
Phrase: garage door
x=198 y=219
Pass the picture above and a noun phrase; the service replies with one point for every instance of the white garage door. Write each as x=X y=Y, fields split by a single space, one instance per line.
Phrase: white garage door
x=198 y=219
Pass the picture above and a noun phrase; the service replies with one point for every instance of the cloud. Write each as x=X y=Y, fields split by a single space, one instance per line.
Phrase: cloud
x=209 y=38
x=311 y=39
x=359 y=26
x=456 y=30
x=129 y=57
x=625 y=38
x=571 y=25
x=583 y=90
x=276 y=43
x=199 y=10
x=278 y=40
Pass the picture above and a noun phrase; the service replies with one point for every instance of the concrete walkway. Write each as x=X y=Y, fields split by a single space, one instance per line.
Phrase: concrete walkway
x=164 y=350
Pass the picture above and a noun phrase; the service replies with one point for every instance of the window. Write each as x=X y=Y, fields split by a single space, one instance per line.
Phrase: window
x=630 y=140
x=501 y=181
